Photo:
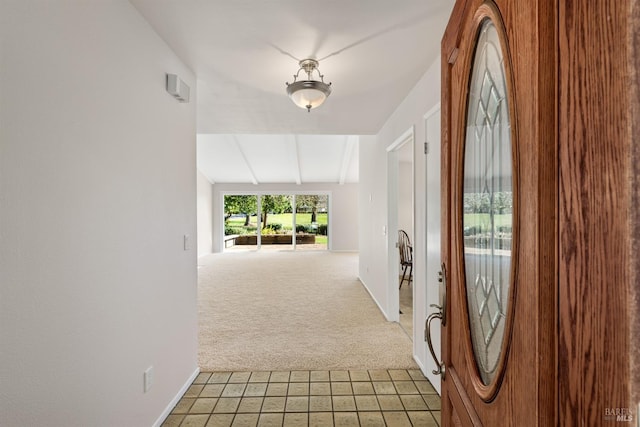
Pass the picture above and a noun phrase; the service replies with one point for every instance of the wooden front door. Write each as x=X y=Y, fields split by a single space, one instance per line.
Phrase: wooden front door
x=498 y=204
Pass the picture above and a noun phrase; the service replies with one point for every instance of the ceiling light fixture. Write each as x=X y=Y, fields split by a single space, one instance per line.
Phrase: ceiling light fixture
x=308 y=93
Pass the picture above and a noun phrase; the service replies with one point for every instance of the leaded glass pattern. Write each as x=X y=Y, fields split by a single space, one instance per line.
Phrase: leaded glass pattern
x=487 y=202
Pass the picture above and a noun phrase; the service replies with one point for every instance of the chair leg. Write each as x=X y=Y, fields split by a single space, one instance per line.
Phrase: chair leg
x=404 y=272
x=410 y=274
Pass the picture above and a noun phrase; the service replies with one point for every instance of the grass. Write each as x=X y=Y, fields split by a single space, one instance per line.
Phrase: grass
x=321 y=240
x=477 y=219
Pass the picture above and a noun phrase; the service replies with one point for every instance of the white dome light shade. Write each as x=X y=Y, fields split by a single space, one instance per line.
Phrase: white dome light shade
x=308 y=94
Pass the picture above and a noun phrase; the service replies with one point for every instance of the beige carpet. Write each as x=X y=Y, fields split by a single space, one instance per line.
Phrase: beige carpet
x=292 y=310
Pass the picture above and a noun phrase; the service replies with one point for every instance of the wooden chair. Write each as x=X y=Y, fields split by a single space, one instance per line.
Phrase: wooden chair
x=406 y=256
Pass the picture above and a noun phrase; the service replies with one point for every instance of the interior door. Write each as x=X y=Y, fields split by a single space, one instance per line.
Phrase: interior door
x=498 y=214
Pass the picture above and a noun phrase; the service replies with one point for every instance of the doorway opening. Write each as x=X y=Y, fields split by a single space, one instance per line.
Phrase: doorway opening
x=400 y=188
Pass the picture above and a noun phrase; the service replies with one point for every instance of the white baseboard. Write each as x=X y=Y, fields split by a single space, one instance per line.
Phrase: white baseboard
x=384 y=313
x=176 y=399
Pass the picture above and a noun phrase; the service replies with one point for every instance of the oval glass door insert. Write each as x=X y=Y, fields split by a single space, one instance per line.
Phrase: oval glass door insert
x=488 y=202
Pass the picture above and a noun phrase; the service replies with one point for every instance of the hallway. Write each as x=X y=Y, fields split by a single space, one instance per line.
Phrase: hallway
x=294 y=339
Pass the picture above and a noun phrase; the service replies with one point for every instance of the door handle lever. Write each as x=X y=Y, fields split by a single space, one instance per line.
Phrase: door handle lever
x=439 y=314
x=427 y=338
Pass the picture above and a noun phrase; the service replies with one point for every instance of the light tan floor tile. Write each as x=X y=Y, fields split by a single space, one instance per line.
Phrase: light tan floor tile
x=413 y=402
x=346 y=419
x=297 y=404
x=173 y=420
x=396 y=419
x=299 y=377
x=277 y=389
x=279 y=377
x=270 y=420
x=372 y=419
x=234 y=390
x=212 y=390
x=240 y=377
x=393 y=398
x=384 y=387
x=250 y=404
x=436 y=415
x=320 y=389
x=194 y=390
x=296 y=420
x=255 y=390
x=219 y=377
x=227 y=405
x=203 y=405
x=316 y=376
x=321 y=419
x=359 y=375
x=220 y=420
x=260 y=377
x=433 y=401
x=415 y=374
x=405 y=387
x=390 y=402
x=245 y=420
x=202 y=378
x=362 y=388
x=298 y=389
x=379 y=375
x=422 y=418
x=273 y=404
x=339 y=375
x=195 y=420
x=183 y=405
x=343 y=403
x=425 y=387
x=320 y=404
x=399 y=375
x=341 y=388
x=367 y=403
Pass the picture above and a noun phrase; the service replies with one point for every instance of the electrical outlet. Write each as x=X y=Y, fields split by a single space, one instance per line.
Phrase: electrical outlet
x=148 y=379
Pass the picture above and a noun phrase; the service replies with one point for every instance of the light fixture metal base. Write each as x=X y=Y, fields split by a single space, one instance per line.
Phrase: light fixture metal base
x=308 y=65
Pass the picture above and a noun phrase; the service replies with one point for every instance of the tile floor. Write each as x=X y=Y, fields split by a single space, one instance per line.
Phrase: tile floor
x=308 y=398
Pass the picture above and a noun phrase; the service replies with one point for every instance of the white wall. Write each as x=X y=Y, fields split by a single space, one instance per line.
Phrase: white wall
x=97 y=189
x=205 y=215
x=373 y=202
x=343 y=209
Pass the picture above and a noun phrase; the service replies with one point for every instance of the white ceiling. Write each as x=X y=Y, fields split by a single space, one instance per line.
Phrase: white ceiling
x=243 y=51
x=261 y=159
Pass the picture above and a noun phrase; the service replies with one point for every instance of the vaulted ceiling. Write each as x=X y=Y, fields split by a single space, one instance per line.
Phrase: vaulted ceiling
x=296 y=159
x=243 y=51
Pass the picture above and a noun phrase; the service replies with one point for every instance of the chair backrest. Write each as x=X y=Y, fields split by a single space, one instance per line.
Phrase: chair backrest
x=404 y=246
